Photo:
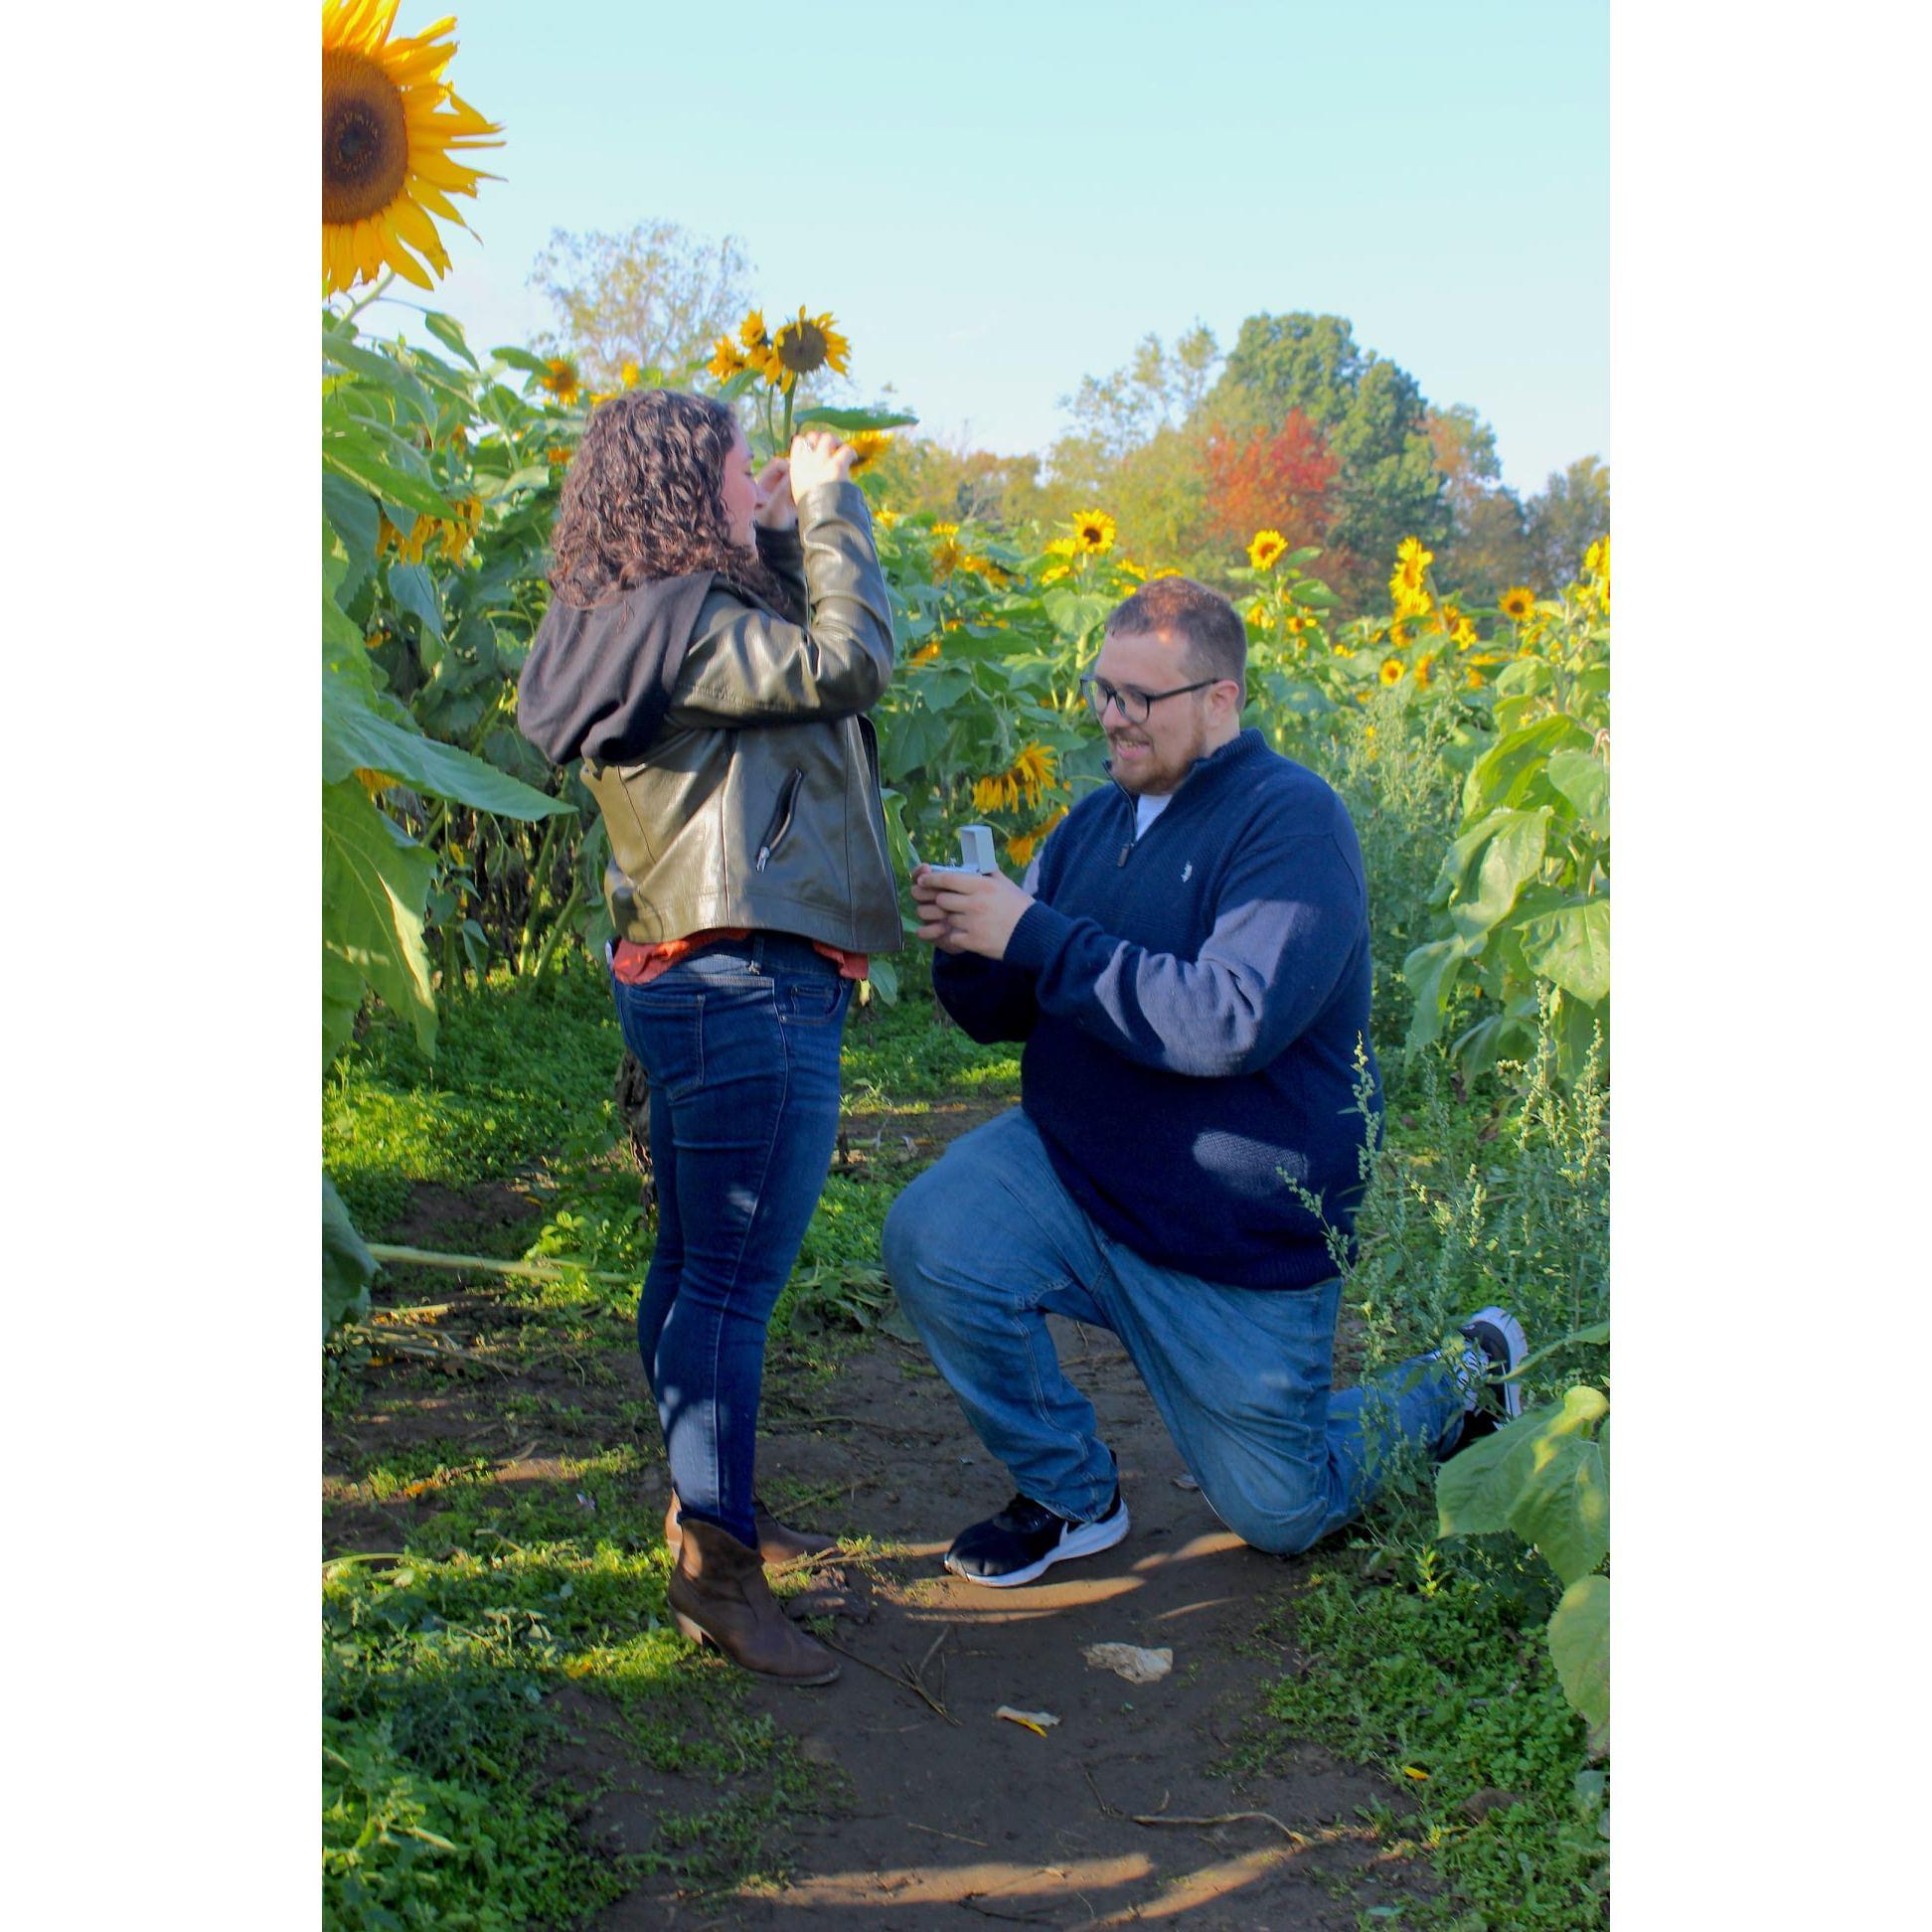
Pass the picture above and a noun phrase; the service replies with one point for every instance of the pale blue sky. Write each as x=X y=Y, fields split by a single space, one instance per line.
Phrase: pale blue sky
x=995 y=201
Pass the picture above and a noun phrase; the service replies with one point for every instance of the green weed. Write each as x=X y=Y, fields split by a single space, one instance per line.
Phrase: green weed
x=1426 y=1675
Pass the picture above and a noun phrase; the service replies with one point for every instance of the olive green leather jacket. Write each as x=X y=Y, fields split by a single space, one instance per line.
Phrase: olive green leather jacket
x=758 y=803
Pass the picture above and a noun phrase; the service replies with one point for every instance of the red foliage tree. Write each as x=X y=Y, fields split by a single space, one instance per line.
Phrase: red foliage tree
x=1275 y=479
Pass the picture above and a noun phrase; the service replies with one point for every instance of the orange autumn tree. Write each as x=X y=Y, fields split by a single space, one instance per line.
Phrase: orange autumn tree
x=1273 y=479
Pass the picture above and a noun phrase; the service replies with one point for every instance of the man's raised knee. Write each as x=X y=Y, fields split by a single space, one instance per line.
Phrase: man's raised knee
x=912 y=1238
x=1278 y=1532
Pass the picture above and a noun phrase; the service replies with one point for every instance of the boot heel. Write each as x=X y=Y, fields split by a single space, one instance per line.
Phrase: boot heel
x=696 y=1632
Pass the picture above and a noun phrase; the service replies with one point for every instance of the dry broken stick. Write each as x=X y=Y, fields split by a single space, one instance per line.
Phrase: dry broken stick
x=1222 y=1818
x=905 y=1680
x=1111 y=1811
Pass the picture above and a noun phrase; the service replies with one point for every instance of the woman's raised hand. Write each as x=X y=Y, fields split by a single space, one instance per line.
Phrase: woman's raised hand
x=819 y=456
x=775 y=510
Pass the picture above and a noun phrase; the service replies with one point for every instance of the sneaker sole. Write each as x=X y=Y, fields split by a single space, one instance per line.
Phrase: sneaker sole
x=1516 y=1343
x=1085 y=1540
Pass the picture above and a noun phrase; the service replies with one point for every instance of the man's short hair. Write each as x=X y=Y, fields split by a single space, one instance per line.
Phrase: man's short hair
x=1214 y=639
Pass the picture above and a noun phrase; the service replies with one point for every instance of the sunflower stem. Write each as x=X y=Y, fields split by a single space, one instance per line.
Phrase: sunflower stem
x=558 y=927
x=375 y=295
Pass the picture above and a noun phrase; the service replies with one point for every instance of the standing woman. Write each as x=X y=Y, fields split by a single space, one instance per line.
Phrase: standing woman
x=716 y=636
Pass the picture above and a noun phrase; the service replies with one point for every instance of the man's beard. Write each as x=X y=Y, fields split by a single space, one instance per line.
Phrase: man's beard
x=1142 y=777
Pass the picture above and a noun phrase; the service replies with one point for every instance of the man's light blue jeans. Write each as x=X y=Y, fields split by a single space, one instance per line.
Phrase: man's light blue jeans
x=986 y=1243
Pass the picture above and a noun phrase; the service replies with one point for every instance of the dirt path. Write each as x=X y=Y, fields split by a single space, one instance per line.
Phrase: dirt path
x=933 y=1811
x=962 y=1817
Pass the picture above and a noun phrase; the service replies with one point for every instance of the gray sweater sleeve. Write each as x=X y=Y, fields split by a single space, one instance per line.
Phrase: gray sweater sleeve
x=749 y=666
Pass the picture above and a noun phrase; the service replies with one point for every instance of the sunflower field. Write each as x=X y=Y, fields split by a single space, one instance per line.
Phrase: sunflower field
x=1469 y=741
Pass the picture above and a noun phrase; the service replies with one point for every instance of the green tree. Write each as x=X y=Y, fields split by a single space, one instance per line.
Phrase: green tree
x=1564 y=520
x=1487 y=548
x=1375 y=420
x=1160 y=389
x=958 y=484
x=1135 y=448
x=654 y=296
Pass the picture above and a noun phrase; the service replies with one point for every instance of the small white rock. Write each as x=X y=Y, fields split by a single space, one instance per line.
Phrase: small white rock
x=1129 y=1661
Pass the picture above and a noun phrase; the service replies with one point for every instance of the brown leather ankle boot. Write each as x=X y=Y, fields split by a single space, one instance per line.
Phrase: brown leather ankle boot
x=778 y=1542
x=718 y=1593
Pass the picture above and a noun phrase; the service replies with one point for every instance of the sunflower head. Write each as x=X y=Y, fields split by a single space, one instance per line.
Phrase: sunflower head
x=560 y=378
x=808 y=344
x=629 y=374
x=751 y=331
x=1266 y=550
x=870 y=445
x=1093 y=533
x=1516 y=603
x=1033 y=772
x=1409 y=599
x=392 y=135
x=726 y=359
x=1391 y=671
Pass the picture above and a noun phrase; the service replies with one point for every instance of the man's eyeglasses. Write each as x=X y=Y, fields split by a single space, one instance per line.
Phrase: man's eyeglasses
x=1134 y=704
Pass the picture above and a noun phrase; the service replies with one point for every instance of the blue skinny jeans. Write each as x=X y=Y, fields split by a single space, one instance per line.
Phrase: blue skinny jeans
x=740 y=1040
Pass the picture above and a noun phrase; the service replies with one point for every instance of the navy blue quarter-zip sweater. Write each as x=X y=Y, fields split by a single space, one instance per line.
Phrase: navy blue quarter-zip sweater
x=1191 y=1004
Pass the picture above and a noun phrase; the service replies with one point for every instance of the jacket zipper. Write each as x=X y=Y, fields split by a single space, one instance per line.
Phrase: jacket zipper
x=781 y=819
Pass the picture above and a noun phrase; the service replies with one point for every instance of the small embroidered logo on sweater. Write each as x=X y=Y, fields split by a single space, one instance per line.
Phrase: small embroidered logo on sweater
x=1187 y=872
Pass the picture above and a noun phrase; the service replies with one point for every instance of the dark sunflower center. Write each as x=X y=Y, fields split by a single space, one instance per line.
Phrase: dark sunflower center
x=801 y=347
x=364 y=138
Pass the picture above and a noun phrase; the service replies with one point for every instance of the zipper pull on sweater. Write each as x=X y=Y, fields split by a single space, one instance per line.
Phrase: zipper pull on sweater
x=1124 y=851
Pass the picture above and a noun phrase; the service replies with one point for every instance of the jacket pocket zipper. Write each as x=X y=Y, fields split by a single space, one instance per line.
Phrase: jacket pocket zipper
x=780 y=820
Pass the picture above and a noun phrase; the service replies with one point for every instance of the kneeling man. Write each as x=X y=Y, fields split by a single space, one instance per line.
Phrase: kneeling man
x=1188 y=965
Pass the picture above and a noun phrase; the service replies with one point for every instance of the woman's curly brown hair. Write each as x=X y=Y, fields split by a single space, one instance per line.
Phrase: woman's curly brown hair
x=644 y=498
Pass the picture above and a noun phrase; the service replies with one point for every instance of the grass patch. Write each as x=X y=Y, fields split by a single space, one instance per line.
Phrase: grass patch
x=522 y=1075
x=1433 y=1673
x=1430 y=1657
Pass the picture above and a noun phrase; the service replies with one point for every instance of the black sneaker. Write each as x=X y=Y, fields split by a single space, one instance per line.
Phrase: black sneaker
x=1497 y=1348
x=1026 y=1538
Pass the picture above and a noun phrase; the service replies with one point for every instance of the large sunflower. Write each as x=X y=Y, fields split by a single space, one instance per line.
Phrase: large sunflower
x=1269 y=546
x=805 y=345
x=391 y=132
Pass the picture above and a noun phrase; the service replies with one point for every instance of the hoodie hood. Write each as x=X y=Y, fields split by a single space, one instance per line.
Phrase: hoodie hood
x=598 y=683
